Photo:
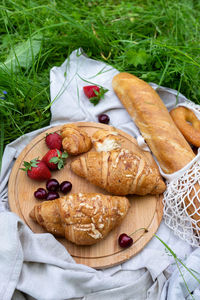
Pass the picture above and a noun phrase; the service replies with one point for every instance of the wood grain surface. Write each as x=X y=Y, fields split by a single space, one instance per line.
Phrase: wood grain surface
x=145 y=211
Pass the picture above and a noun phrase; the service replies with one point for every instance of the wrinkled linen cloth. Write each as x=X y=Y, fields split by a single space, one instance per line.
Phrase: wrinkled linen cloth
x=37 y=266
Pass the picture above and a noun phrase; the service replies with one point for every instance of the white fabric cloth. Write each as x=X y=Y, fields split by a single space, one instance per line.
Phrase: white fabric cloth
x=36 y=266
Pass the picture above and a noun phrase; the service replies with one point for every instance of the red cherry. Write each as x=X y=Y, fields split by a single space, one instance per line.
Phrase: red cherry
x=65 y=187
x=40 y=194
x=103 y=118
x=125 y=240
x=52 y=185
x=52 y=195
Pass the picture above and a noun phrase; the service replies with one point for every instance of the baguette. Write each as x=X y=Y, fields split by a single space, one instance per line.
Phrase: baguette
x=158 y=129
x=154 y=122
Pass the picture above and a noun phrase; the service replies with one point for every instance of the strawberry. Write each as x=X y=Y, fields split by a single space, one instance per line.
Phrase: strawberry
x=89 y=90
x=94 y=93
x=53 y=140
x=37 y=169
x=54 y=159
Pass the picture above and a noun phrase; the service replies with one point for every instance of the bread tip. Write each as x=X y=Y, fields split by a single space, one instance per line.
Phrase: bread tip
x=32 y=214
x=77 y=168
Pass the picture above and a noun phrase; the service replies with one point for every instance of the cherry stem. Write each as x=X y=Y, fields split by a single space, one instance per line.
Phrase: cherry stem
x=143 y=228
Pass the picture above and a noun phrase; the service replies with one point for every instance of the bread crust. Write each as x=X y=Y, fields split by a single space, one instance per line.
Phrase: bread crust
x=154 y=121
x=187 y=123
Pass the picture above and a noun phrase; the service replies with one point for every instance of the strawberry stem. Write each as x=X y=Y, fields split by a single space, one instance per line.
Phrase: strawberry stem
x=59 y=160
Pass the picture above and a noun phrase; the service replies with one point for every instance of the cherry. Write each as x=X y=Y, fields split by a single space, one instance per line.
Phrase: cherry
x=65 y=187
x=52 y=195
x=52 y=185
x=125 y=241
x=103 y=118
x=40 y=193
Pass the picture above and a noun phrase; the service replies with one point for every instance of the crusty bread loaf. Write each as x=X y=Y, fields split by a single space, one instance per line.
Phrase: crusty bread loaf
x=158 y=129
x=154 y=121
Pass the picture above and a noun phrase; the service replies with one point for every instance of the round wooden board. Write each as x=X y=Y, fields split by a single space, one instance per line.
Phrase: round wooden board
x=145 y=211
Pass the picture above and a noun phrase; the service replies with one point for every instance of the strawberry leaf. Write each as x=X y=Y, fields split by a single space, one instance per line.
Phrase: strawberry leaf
x=28 y=165
x=60 y=164
x=64 y=155
x=103 y=91
x=54 y=160
x=99 y=95
x=33 y=164
x=96 y=92
x=23 y=169
x=94 y=100
x=58 y=152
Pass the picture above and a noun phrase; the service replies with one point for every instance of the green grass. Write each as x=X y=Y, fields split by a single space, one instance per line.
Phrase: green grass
x=181 y=267
x=155 y=40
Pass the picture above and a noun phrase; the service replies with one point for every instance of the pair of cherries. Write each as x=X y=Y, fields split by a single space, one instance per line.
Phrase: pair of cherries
x=53 y=186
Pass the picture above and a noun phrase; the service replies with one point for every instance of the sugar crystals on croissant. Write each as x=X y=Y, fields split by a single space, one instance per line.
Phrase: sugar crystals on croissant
x=83 y=218
x=120 y=171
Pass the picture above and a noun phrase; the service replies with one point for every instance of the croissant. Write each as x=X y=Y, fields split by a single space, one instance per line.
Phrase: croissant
x=75 y=140
x=83 y=218
x=120 y=171
x=106 y=140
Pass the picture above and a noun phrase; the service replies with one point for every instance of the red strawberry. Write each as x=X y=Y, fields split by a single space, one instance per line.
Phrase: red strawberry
x=94 y=93
x=54 y=159
x=89 y=90
x=53 y=141
x=37 y=169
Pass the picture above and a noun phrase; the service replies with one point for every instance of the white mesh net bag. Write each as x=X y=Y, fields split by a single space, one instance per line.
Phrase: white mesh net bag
x=182 y=197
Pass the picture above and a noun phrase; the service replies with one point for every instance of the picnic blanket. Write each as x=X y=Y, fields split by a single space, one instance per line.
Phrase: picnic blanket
x=37 y=266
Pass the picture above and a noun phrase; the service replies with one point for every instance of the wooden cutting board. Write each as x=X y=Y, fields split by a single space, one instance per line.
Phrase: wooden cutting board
x=145 y=211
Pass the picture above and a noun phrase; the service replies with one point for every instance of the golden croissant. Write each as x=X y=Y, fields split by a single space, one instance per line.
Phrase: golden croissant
x=83 y=218
x=75 y=140
x=120 y=171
